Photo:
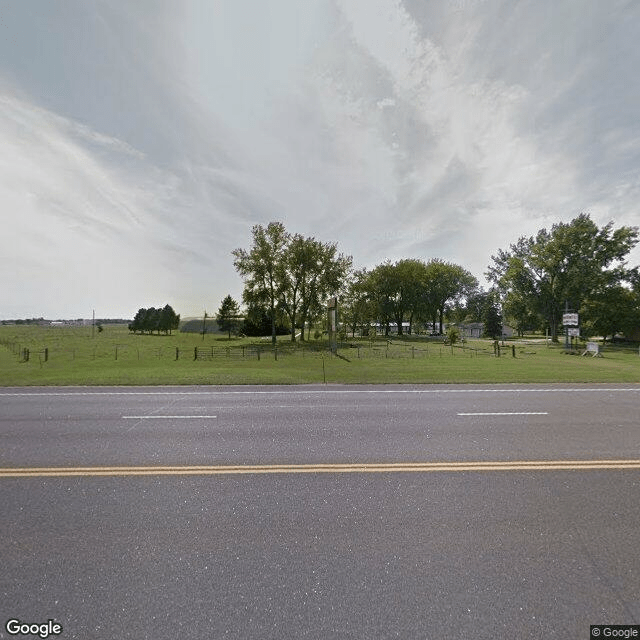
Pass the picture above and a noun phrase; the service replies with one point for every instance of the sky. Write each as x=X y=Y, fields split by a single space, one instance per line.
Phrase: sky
x=143 y=140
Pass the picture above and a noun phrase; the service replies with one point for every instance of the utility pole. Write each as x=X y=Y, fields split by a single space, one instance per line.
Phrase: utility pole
x=93 y=324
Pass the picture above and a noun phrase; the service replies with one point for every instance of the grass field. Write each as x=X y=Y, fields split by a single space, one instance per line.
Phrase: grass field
x=115 y=357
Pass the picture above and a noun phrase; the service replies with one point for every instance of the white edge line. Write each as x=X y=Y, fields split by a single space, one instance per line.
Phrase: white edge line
x=166 y=417
x=505 y=413
x=316 y=392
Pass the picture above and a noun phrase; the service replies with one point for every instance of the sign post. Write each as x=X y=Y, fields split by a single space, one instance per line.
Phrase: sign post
x=570 y=322
x=332 y=324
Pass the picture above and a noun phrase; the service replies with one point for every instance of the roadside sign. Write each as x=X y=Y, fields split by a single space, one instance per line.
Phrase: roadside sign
x=594 y=349
x=573 y=332
x=332 y=323
x=570 y=319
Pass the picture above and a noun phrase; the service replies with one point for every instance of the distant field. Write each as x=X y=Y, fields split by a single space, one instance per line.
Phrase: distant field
x=116 y=357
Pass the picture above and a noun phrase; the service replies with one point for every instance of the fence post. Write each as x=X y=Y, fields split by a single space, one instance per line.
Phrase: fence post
x=46 y=354
x=195 y=353
x=177 y=353
x=275 y=353
x=258 y=353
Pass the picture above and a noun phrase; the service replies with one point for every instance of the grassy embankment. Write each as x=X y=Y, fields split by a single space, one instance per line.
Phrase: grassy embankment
x=115 y=357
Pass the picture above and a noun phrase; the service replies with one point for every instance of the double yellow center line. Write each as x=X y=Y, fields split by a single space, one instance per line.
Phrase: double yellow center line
x=395 y=467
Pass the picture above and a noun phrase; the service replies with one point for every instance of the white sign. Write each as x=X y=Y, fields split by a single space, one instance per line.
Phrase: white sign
x=575 y=332
x=594 y=349
x=570 y=319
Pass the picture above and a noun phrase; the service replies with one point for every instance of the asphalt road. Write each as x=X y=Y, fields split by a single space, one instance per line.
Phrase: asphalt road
x=321 y=512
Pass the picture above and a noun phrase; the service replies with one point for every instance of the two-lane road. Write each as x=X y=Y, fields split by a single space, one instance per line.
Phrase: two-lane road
x=297 y=425
x=321 y=512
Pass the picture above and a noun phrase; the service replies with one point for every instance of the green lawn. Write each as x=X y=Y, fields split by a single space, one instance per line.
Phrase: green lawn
x=115 y=357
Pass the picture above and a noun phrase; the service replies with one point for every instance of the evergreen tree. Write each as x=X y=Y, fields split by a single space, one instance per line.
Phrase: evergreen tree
x=152 y=319
x=493 y=320
x=168 y=320
x=228 y=316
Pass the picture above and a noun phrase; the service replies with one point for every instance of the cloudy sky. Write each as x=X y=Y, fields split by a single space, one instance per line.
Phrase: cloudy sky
x=142 y=139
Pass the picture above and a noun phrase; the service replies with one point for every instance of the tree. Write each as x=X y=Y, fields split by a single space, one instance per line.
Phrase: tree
x=261 y=268
x=410 y=290
x=399 y=291
x=138 y=321
x=358 y=309
x=153 y=319
x=382 y=289
x=453 y=335
x=168 y=320
x=445 y=283
x=311 y=272
x=228 y=316
x=565 y=265
x=324 y=273
x=608 y=312
x=492 y=318
x=519 y=314
x=257 y=322
x=290 y=273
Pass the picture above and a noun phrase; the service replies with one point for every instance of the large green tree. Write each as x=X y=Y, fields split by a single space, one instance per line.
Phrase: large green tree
x=407 y=290
x=445 y=284
x=311 y=272
x=399 y=291
x=261 y=268
x=564 y=266
x=290 y=273
x=357 y=304
x=610 y=311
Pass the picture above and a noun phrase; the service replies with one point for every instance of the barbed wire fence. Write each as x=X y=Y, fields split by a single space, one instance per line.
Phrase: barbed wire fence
x=346 y=350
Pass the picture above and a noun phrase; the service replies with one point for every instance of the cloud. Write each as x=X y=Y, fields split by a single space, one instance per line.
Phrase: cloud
x=72 y=217
x=484 y=133
x=143 y=141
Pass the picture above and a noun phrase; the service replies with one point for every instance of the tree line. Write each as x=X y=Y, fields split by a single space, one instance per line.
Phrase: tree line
x=163 y=319
x=288 y=279
x=406 y=291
